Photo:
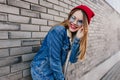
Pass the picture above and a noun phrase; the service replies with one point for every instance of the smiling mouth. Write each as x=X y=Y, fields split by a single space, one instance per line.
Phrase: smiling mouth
x=72 y=26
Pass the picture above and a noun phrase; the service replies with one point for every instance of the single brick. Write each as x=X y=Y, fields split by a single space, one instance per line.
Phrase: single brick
x=4 y=53
x=56 y=18
x=19 y=34
x=20 y=50
x=63 y=4
x=46 y=16
x=38 y=34
x=3 y=17
x=45 y=28
x=4 y=70
x=38 y=21
x=29 y=27
x=30 y=42
x=9 y=9
x=26 y=72
x=3 y=35
x=8 y=26
x=32 y=1
x=54 y=1
x=38 y=8
x=19 y=3
x=54 y=12
x=9 y=43
x=12 y=76
x=63 y=14
x=59 y=8
x=2 y=1
x=43 y=3
x=9 y=61
x=52 y=23
x=29 y=13
x=28 y=57
x=20 y=19
x=20 y=66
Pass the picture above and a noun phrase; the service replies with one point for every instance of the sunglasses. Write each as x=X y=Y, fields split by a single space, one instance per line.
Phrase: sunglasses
x=79 y=22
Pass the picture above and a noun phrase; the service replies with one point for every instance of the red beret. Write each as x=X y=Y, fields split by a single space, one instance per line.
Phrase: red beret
x=87 y=11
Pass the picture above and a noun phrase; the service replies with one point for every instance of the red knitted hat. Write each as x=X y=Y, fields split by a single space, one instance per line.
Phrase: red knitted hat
x=87 y=11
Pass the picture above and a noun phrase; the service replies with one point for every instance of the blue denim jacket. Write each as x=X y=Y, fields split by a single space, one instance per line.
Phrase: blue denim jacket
x=50 y=59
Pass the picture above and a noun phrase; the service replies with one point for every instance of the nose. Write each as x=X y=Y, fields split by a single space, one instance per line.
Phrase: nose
x=75 y=22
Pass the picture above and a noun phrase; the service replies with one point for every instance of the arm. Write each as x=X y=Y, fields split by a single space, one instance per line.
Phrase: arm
x=55 y=45
x=75 y=50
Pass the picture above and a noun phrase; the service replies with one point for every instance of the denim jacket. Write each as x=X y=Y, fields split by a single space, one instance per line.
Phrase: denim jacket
x=50 y=59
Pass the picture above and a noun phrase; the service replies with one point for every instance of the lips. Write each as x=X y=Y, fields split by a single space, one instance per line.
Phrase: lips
x=72 y=26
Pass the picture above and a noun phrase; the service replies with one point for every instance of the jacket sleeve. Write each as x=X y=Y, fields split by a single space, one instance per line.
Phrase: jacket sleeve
x=55 y=39
x=75 y=50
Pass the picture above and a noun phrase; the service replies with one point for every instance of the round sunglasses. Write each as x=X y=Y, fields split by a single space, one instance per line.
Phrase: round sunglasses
x=79 y=22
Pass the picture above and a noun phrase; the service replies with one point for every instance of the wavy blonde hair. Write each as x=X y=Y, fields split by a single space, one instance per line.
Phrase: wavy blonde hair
x=83 y=40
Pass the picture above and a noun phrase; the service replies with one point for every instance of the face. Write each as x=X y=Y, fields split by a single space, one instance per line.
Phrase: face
x=76 y=21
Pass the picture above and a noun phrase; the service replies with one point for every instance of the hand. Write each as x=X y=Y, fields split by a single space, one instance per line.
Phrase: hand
x=80 y=33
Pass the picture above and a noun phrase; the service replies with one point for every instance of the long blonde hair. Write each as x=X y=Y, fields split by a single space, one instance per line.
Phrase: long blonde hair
x=83 y=40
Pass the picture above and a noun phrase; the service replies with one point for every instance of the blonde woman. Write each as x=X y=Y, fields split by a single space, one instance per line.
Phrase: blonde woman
x=64 y=43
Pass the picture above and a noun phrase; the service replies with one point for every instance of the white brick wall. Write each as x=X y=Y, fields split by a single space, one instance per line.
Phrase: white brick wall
x=25 y=23
x=9 y=9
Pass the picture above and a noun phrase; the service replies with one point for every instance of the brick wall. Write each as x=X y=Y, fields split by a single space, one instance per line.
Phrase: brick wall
x=24 y=24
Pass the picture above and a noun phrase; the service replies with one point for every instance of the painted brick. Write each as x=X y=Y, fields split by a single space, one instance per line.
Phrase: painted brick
x=12 y=76
x=46 y=16
x=19 y=34
x=9 y=9
x=68 y=2
x=38 y=8
x=30 y=42
x=29 y=27
x=29 y=13
x=56 y=18
x=38 y=21
x=9 y=61
x=74 y=4
x=52 y=23
x=45 y=28
x=66 y=10
x=54 y=1
x=3 y=17
x=20 y=66
x=63 y=14
x=4 y=70
x=20 y=19
x=38 y=34
x=43 y=3
x=54 y=12
x=63 y=4
x=26 y=72
x=28 y=57
x=9 y=43
x=8 y=26
x=32 y=1
x=59 y=8
x=27 y=78
x=19 y=3
x=3 y=35
x=20 y=50
x=2 y=1
x=4 y=53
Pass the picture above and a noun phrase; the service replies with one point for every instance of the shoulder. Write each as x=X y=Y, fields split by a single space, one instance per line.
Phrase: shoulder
x=59 y=29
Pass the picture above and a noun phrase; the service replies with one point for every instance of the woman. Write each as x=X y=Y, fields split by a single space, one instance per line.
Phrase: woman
x=64 y=43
